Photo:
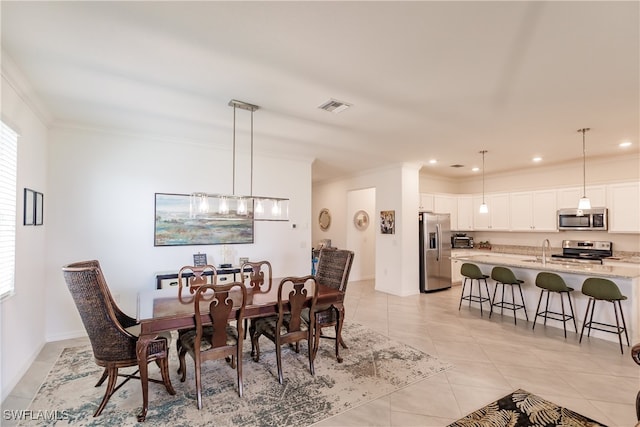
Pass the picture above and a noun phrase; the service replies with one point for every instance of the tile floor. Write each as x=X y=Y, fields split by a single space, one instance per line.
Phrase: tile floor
x=491 y=358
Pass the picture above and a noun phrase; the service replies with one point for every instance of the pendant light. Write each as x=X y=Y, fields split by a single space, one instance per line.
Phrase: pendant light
x=584 y=202
x=483 y=207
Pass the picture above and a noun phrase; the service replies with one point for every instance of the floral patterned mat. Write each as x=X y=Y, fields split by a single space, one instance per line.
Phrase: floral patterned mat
x=523 y=409
x=373 y=366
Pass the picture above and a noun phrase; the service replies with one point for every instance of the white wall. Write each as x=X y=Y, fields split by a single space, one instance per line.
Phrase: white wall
x=101 y=206
x=362 y=242
x=22 y=316
x=396 y=255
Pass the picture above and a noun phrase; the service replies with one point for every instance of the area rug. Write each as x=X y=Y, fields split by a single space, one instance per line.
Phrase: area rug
x=522 y=409
x=373 y=366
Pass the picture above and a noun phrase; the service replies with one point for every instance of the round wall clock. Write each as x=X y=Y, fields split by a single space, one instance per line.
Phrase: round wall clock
x=324 y=219
x=361 y=220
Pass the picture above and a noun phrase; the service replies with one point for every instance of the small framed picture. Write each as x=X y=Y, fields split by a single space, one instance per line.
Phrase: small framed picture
x=388 y=222
x=29 y=213
x=199 y=260
x=39 y=208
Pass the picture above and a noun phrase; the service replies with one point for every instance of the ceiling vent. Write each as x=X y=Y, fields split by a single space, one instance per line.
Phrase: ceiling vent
x=457 y=166
x=334 y=106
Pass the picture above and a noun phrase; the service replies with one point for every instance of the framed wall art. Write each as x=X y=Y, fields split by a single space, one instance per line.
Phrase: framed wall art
x=388 y=222
x=178 y=223
x=29 y=212
x=33 y=207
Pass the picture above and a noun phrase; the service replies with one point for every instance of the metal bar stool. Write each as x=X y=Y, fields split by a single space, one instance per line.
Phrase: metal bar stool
x=551 y=282
x=504 y=276
x=472 y=272
x=597 y=288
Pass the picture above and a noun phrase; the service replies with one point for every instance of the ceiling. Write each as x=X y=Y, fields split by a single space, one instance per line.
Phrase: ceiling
x=427 y=80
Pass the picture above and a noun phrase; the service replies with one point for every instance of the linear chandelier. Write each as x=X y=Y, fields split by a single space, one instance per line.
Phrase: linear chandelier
x=261 y=208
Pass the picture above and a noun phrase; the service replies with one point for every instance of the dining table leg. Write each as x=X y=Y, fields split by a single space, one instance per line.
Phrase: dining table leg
x=142 y=347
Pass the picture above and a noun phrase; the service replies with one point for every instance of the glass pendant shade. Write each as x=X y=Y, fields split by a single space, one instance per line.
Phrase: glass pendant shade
x=484 y=208
x=584 y=203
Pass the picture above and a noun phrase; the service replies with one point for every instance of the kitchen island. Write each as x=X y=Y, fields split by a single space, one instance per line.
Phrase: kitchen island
x=526 y=268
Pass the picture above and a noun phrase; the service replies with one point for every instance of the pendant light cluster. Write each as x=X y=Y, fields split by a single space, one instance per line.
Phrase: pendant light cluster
x=483 y=207
x=261 y=208
x=584 y=203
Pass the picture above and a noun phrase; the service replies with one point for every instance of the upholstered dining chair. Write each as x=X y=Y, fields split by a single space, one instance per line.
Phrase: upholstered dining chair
x=190 y=278
x=334 y=266
x=215 y=338
x=259 y=279
x=113 y=334
x=288 y=326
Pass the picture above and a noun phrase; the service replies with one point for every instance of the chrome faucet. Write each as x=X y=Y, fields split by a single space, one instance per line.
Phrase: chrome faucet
x=545 y=245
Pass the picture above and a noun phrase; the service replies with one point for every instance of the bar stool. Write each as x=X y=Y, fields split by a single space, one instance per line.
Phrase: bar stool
x=504 y=276
x=472 y=272
x=551 y=282
x=600 y=289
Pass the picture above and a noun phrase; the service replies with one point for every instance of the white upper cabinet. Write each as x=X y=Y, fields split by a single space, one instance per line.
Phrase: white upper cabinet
x=624 y=207
x=426 y=202
x=533 y=211
x=465 y=213
x=447 y=204
x=569 y=197
x=498 y=216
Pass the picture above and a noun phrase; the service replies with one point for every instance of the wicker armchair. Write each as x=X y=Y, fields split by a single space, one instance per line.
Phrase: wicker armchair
x=112 y=333
x=288 y=326
x=334 y=266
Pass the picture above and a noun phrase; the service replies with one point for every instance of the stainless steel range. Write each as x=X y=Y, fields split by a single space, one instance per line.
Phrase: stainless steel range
x=585 y=251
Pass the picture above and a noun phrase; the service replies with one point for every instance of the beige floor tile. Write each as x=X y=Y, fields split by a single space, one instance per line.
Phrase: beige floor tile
x=490 y=357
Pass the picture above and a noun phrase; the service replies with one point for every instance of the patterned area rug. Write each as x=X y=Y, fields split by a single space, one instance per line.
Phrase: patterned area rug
x=373 y=366
x=522 y=409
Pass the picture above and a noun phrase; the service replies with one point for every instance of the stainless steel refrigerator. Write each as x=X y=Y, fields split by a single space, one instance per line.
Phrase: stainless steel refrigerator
x=435 y=251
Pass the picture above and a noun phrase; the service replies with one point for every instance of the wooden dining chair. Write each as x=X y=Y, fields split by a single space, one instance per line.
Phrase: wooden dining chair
x=190 y=278
x=288 y=326
x=258 y=279
x=214 y=337
x=113 y=334
x=334 y=266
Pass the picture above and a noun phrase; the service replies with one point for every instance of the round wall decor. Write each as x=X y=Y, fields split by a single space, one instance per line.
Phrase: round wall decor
x=324 y=219
x=361 y=220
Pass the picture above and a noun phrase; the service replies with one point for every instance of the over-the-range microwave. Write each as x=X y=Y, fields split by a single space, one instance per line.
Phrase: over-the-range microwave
x=582 y=219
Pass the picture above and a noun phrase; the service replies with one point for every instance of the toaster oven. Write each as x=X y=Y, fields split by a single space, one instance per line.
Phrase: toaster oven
x=461 y=242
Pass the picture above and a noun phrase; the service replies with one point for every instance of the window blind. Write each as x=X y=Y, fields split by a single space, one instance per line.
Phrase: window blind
x=8 y=192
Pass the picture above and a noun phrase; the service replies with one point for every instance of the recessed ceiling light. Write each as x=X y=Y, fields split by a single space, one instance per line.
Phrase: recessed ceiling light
x=625 y=144
x=475 y=169
x=433 y=161
x=334 y=106
x=537 y=159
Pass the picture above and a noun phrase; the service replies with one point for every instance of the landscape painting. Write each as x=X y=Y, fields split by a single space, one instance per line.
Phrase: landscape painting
x=182 y=219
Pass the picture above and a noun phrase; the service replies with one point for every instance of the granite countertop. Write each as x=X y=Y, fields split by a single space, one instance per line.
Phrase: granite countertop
x=481 y=257
x=619 y=257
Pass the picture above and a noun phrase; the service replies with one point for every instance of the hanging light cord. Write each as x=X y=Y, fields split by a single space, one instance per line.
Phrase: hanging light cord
x=233 y=178
x=584 y=163
x=251 y=176
x=483 y=152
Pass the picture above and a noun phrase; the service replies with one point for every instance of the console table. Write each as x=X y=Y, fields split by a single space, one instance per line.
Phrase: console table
x=170 y=278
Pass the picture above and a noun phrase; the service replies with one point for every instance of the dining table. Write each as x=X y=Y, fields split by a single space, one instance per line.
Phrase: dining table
x=162 y=310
